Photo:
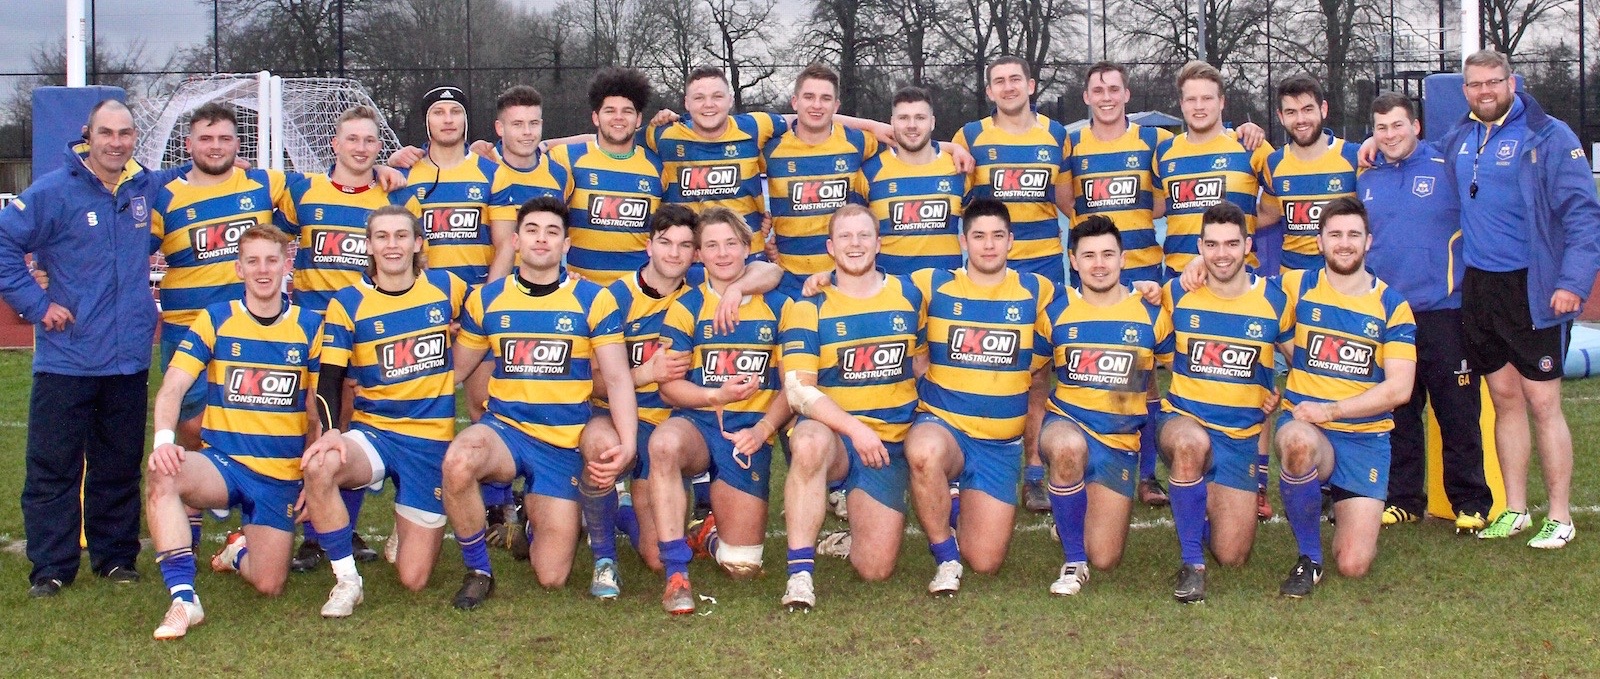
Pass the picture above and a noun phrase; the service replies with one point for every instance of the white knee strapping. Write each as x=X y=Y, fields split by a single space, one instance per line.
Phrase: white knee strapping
x=735 y=556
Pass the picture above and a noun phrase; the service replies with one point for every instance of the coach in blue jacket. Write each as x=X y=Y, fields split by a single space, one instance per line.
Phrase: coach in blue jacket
x=88 y=224
x=1416 y=249
x=1530 y=222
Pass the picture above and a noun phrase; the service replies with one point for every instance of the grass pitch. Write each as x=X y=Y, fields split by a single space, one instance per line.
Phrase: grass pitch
x=1434 y=605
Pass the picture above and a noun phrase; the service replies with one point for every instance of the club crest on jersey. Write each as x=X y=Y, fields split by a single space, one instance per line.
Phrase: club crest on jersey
x=1335 y=185
x=644 y=186
x=839 y=165
x=707 y=181
x=1371 y=329
x=944 y=186
x=246 y=204
x=451 y=223
x=984 y=347
x=730 y=151
x=1018 y=183
x=1013 y=314
x=1101 y=367
x=249 y=386
x=141 y=209
x=1196 y=193
x=414 y=355
x=721 y=365
x=818 y=195
x=1130 y=334
x=1131 y=163
x=474 y=193
x=1101 y=193
x=1254 y=330
x=292 y=356
x=873 y=362
x=564 y=323
x=1507 y=149
x=899 y=323
x=1421 y=187
x=535 y=356
x=628 y=212
x=218 y=241
x=764 y=334
x=339 y=248
x=1044 y=155
x=915 y=215
x=435 y=315
x=1220 y=163
x=1213 y=358
x=1339 y=355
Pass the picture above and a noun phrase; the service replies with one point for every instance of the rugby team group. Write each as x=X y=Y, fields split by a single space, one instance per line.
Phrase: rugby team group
x=640 y=317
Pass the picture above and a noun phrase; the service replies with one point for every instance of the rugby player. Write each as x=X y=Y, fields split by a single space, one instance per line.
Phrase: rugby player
x=643 y=300
x=986 y=329
x=329 y=218
x=726 y=411
x=1222 y=389
x=1353 y=361
x=1312 y=169
x=390 y=332
x=1201 y=168
x=848 y=362
x=915 y=191
x=1105 y=342
x=259 y=358
x=549 y=332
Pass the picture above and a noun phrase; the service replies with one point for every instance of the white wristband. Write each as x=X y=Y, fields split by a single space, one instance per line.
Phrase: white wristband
x=163 y=437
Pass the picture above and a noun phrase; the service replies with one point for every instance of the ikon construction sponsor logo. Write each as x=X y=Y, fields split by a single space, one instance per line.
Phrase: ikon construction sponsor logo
x=218 y=241
x=1101 y=368
x=721 y=365
x=1222 y=359
x=1019 y=183
x=416 y=355
x=262 y=387
x=1110 y=193
x=818 y=195
x=623 y=212
x=984 y=347
x=339 y=248
x=708 y=182
x=915 y=216
x=1197 y=194
x=1303 y=217
x=640 y=352
x=872 y=363
x=1339 y=355
x=451 y=223
x=535 y=356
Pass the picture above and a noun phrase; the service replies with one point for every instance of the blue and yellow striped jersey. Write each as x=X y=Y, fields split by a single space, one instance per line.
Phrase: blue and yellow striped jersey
x=257 y=380
x=751 y=349
x=1222 y=362
x=543 y=349
x=1191 y=177
x=1023 y=172
x=197 y=229
x=611 y=202
x=1303 y=188
x=1105 y=359
x=1116 y=179
x=543 y=179
x=397 y=349
x=642 y=316
x=724 y=172
x=331 y=222
x=861 y=351
x=984 y=342
x=456 y=206
x=806 y=183
x=1342 y=341
x=918 y=209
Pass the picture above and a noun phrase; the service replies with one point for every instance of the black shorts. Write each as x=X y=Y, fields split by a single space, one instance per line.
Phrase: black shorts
x=1499 y=327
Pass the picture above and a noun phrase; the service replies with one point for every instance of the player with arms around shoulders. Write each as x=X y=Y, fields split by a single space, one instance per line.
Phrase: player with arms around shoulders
x=1222 y=390
x=851 y=357
x=549 y=332
x=1105 y=342
x=726 y=411
x=260 y=357
x=1352 y=361
x=390 y=333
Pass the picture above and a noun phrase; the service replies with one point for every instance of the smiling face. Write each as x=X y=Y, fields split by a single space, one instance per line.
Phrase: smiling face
x=1489 y=91
x=616 y=121
x=213 y=144
x=912 y=123
x=1202 y=101
x=1009 y=88
x=356 y=145
x=447 y=123
x=987 y=241
x=541 y=241
x=1107 y=97
x=1223 y=248
x=1301 y=116
x=853 y=242
x=671 y=251
x=815 y=101
x=708 y=102
x=1098 y=261
x=520 y=129
x=1344 y=241
x=1395 y=133
x=111 y=139
x=393 y=244
x=261 y=265
x=723 y=251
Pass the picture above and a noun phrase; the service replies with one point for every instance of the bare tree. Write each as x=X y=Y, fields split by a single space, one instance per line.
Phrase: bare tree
x=1506 y=22
x=741 y=40
x=1167 y=31
x=846 y=33
x=1326 y=38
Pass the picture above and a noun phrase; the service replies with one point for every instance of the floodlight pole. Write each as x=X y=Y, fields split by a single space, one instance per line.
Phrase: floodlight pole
x=77 y=76
x=1471 y=28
